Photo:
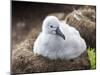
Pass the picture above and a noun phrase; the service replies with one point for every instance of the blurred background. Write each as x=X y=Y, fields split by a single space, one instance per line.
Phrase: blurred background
x=27 y=16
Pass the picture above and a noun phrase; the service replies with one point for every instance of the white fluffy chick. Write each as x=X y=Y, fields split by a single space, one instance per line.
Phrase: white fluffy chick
x=58 y=40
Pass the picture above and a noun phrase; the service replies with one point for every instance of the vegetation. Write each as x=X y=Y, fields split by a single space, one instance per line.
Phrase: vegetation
x=92 y=57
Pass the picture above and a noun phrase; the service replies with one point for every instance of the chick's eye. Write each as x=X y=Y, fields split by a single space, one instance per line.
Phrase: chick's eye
x=51 y=26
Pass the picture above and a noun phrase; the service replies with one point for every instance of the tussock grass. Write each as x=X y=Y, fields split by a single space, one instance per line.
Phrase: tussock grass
x=92 y=57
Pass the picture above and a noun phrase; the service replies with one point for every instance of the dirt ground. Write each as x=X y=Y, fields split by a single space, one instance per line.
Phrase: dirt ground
x=27 y=19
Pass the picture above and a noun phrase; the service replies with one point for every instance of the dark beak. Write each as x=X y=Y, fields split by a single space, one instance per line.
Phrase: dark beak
x=58 y=32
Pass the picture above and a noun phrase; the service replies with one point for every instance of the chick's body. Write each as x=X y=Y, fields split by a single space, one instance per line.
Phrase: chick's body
x=53 y=46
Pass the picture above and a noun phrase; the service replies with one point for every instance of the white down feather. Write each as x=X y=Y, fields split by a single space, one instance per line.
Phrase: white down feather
x=54 y=47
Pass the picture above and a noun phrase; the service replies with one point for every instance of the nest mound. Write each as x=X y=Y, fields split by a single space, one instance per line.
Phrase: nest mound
x=24 y=60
